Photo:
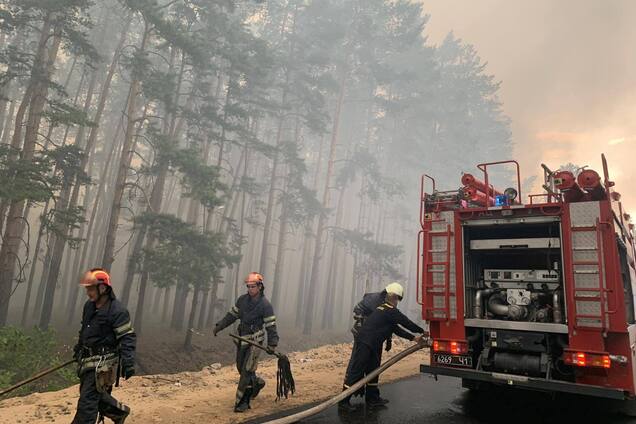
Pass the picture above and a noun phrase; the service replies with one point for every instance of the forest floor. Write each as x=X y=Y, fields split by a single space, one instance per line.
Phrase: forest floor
x=208 y=395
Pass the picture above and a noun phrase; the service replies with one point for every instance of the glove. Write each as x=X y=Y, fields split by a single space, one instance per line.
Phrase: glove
x=271 y=349
x=389 y=343
x=216 y=330
x=129 y=371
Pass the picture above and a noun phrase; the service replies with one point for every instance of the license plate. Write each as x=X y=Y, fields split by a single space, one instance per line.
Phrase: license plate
x=453 y=360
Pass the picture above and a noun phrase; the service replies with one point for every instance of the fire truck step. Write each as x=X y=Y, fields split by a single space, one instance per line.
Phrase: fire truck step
x=595 y=263
x=586 y=271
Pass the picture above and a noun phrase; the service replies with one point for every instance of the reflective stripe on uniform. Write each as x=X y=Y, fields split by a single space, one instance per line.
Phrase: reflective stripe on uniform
x=122 y=330
x=269 y=318
x=270 y=324
x=234 y=311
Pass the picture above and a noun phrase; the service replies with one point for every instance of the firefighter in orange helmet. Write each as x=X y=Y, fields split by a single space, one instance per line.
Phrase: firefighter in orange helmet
x=256 y=317
x=104 y=351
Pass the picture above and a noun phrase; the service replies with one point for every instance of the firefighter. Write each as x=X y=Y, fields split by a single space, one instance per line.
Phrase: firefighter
x=364 y=308
x=256 y=316
x=105 y=351
x=381 y=324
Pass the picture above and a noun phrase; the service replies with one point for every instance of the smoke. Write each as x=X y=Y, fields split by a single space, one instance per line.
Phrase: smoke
x=568 y=72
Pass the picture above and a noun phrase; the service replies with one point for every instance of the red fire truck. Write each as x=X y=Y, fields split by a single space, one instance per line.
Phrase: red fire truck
x=537 y=295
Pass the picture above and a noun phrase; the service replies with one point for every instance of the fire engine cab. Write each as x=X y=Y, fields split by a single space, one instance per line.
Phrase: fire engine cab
x=537 y=295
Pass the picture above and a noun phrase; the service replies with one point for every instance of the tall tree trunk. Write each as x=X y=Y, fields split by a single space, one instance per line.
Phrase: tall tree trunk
x=178 y=310
x=322 y=219
x=213 y=303
x=304 y=257
x=99 y=194
x=187 y=345
x=204 y=309
x=35 y=95
x=34 y=262
x=282 y=234
x=166 y=304
x=327 y=321
x=124 y=163
x=269 y=212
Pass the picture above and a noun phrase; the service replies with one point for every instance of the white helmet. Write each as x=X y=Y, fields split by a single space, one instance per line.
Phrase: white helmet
x=396 y=289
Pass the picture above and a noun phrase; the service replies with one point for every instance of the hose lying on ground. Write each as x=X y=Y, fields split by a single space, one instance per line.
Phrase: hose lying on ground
x=351 y=390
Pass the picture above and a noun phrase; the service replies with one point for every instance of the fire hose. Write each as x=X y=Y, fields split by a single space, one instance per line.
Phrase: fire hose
x=35 y=377
x=350 y=391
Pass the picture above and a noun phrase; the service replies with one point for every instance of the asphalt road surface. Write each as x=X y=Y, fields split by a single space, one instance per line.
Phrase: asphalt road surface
x=421 y=399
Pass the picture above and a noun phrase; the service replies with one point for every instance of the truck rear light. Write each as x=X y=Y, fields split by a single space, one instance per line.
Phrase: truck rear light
x=451 y=346
x=587 y=359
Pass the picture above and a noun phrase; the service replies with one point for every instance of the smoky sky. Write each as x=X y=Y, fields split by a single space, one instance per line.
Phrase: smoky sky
x=568 y=75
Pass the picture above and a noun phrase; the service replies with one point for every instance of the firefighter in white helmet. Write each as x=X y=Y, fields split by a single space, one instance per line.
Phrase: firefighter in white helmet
x=362 y=359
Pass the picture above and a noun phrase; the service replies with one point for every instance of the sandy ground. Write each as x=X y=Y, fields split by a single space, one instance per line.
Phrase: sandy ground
x=207 y=396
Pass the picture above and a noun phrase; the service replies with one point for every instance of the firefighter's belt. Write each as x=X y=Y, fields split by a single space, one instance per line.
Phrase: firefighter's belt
x=101 y=361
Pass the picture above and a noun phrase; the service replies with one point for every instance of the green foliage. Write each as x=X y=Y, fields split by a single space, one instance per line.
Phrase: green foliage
x=182 y=254
x=26 y=179
x=379 y=258
x=25 y=352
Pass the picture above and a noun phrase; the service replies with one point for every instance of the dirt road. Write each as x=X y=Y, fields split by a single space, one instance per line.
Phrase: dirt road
x=207 y=396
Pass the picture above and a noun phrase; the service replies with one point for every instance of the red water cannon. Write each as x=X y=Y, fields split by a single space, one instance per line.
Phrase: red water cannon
x=590 y=181
x=565 y=181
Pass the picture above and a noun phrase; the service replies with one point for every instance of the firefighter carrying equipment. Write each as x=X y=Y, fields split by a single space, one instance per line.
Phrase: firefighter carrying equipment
x=256 y=317
x=105 y=350
x=395 y=288
x=385 y=321
x=94 y=277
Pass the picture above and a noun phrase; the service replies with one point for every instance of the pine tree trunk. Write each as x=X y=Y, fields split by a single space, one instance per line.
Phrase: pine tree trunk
x=272 y=184
x=124 y=164
x=327 y=321
x=166 y=304
x=304 y=264
x=213 y=303
x=67 y=201
x=187 y=344
x=322 y=219
x=35 y=95
x=204 y=309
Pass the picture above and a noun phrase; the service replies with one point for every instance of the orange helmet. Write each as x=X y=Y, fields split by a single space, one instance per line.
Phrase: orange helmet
x=254 y=277
x=94 y=277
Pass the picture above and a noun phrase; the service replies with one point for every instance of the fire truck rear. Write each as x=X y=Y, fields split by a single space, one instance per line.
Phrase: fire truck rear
x=537 y=295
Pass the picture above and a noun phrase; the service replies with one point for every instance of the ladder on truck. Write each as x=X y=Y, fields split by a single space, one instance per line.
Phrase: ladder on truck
x=433 y=263
x=591 y=310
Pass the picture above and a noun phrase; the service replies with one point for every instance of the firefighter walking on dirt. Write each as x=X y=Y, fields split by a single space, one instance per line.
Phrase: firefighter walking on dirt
x=380 y=325
x=105 y=351
x=256 y=317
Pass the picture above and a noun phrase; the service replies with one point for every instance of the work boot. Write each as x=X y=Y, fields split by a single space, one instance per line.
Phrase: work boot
x=376 y=401
x=258 y=386
x=242 y=407
x=120 y=417
x=345 y=405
